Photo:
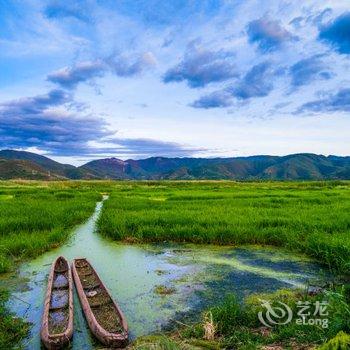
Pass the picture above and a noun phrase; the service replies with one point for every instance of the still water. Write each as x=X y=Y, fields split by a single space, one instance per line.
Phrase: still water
x=199 y=276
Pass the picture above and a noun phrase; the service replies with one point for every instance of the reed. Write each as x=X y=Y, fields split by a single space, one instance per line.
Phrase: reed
x=37 y=217
x=310 y=217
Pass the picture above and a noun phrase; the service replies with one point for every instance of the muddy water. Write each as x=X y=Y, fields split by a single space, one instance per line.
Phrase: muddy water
x=198 y=276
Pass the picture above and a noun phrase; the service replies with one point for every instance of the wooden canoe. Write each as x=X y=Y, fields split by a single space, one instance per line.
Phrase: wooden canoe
x=104 y=317
x=57 y=320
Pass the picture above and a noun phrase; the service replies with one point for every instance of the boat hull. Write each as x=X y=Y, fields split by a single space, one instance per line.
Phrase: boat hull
x=111 y=339
x=58 y=301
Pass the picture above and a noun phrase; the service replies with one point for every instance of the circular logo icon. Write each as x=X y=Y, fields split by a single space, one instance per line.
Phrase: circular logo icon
x=275 y=314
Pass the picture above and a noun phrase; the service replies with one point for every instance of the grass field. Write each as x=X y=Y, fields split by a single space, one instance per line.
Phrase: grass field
x=309 y=217
x=35 y=217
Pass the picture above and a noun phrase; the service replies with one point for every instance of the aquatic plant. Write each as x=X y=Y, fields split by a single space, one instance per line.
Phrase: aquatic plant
x=155 y=342
x=164 y=290
x=12 y=329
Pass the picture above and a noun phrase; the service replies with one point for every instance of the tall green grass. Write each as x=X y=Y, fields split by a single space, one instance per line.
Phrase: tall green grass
x=35 y=217
x=311 y=217
x=238 y=327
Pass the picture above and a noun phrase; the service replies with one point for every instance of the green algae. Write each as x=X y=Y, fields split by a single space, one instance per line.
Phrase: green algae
x=164 y=290
x=276 y=255
x=239 y=265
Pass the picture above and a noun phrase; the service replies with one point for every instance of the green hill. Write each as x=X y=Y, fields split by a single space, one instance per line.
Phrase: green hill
x=303 y=166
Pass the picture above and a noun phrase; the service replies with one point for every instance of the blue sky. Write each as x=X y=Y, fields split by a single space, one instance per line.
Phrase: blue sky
x=132 y=79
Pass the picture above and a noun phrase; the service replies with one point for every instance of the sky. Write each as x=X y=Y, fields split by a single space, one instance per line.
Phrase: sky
x=82 y=80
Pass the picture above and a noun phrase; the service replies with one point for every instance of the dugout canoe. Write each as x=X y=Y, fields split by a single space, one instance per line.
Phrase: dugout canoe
x=105 y=319
x=57 y=320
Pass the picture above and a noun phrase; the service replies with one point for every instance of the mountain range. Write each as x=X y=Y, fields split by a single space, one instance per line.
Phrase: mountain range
x=302 y=166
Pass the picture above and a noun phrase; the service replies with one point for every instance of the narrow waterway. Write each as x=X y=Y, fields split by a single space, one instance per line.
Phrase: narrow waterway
x=199 y=276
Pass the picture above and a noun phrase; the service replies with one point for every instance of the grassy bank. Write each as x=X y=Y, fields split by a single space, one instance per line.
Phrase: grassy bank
x=231 y=325
x=12 y=329
x=35 y=217
x=309 y=217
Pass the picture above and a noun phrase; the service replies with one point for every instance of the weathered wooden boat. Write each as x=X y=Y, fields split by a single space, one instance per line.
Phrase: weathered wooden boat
x=104 y=317
x=57 y=320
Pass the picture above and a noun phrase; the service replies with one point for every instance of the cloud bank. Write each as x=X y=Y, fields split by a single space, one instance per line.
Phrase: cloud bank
x=337 y=102
x=122 y=66
x=48 y=121
x=51 y=123
x=307 y=70
x=200 y=67
x=269 y=35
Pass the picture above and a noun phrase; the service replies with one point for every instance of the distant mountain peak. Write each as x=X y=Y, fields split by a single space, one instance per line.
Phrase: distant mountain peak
x=111 y=160
x=302 y=166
